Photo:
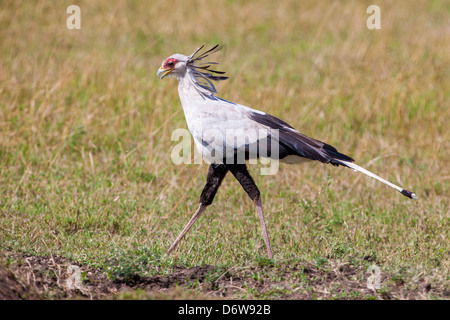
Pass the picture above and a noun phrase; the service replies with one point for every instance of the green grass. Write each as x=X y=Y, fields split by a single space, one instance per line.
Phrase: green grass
x=85 y=127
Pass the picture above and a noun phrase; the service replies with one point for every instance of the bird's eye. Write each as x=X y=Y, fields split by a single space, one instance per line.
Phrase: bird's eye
x=170 y=63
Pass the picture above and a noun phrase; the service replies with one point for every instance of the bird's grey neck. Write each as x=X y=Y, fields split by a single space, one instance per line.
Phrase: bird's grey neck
x=189 y=88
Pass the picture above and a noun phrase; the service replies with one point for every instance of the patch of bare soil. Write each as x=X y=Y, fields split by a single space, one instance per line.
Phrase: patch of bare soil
x=31 y=277
x=12 y=288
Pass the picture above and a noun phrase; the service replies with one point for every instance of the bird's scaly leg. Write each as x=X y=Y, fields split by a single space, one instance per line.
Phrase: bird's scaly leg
x=194 y=218
x=216 y=173
x=260 y=211
x=241 y=173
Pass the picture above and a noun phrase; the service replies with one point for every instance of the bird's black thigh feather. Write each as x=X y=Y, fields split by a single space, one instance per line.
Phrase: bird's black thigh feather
x=242 y=175
x=216 y=173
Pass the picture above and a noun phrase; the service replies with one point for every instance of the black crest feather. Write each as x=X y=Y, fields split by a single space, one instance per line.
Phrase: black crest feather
x=202 y=73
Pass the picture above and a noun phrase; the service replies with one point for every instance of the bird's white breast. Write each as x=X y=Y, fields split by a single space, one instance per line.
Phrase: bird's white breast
x=218 y=125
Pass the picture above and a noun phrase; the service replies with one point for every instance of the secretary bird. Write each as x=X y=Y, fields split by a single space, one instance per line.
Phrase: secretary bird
x=210 y=119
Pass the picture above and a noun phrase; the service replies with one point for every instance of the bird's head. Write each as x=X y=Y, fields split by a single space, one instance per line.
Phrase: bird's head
x=179 y=65
x=173 y=66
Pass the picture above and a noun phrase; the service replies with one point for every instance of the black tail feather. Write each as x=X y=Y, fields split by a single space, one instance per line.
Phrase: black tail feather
x=336 y=155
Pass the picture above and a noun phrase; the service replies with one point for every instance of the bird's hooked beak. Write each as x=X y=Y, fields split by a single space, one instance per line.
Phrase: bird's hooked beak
x=163 y=72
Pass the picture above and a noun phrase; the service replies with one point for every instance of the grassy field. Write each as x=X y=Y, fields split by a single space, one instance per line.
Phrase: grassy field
x=85 y=141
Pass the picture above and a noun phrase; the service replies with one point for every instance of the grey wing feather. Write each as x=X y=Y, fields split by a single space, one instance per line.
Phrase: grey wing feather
x=299 y=144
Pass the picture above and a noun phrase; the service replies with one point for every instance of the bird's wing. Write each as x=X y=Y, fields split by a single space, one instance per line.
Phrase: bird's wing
x=233 y=126
x=299 y=144
x=258 y=126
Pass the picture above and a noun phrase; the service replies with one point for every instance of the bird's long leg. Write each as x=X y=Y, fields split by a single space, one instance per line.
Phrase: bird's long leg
x=260 y=211
x=216 y=173
x=241 y=173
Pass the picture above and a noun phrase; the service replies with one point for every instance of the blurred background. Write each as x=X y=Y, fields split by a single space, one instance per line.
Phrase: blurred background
x=85 y=126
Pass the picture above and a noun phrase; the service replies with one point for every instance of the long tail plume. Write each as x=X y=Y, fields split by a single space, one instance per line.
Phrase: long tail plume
x=355 y=167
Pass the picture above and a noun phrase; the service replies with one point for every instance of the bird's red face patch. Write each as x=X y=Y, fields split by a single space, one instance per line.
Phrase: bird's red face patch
x=170 y=63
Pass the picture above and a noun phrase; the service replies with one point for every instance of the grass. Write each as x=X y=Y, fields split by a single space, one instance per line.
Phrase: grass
x=85 y=127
